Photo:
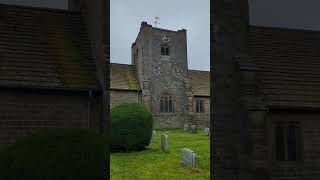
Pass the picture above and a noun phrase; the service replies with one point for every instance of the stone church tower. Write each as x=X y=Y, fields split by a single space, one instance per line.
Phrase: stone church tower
x=160 y=57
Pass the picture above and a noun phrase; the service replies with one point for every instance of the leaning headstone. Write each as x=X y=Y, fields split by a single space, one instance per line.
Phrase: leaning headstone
x=164 y=142
x=188 y=158
x=193 y=129
x=153 y=137
x=186 y=127
x=207 y=131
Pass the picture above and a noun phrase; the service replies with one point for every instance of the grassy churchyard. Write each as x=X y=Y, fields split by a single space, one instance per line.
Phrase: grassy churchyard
x=152 y=163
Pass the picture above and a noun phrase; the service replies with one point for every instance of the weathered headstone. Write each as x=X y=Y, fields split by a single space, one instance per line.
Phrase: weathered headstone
x=188 y=158
x=193 y=129
x=164 y=142
x=207 y=131
x=153 y=137
x=186 y=127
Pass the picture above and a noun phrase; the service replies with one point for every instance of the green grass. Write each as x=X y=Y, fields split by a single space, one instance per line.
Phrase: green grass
x=154 y=164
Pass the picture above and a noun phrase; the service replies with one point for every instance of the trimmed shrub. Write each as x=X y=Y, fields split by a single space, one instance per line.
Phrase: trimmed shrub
x=56 y=154
x=131 y=127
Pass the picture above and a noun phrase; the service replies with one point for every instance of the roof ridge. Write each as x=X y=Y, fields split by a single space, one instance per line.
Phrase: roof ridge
x=41 y=8
x=285 y=29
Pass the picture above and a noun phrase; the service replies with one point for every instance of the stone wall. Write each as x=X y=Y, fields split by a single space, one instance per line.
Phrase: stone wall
x=95 y=14
x=201 y=120
x=25 y=111
x=168 y=120
x=120 y=96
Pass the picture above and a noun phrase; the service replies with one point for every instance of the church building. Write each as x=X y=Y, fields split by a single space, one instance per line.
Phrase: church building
x=266 y=100
x=51 y=68
x=158 y=77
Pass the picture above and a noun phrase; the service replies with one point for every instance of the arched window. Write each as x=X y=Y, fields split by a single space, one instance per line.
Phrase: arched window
x=166 y=103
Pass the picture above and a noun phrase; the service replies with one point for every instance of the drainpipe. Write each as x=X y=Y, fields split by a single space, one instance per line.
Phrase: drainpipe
x=89 y=108
x=139 y=96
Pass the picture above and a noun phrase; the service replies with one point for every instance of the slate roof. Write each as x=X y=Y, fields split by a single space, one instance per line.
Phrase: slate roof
x=123 y=76
x=289 y=65
x=200 y=82
x=44 y=48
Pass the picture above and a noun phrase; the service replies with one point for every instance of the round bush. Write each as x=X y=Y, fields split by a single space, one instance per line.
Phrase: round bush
x=64 y=154
x=131 y=127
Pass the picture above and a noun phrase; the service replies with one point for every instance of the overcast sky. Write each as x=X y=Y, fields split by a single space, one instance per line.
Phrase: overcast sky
x=59 y=4
x=300 y=14
x=126 y=17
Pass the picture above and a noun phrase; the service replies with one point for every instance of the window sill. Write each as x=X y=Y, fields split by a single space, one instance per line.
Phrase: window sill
x=165 y=55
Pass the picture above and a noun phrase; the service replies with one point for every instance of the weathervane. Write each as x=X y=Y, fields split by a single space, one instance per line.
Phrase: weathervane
x=156 y=22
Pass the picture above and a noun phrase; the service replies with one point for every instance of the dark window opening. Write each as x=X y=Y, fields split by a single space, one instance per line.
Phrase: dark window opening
x=164 y=50
x=280 y=154
x=199 y=106
x=292 y=143
x=287 y=142
x=161 y=106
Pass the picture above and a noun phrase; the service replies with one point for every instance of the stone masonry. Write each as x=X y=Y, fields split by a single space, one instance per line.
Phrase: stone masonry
x=230 y=19
x=163 y=74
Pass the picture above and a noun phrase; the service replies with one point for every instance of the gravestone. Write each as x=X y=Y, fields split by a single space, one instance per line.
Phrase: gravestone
x=188 y=158
x=164 y=142
x=193 y=129
x=186 y=127
x=153 y=137
x=207 y=131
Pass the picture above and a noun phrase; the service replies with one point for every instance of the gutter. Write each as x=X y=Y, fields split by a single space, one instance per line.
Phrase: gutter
x=293 y=108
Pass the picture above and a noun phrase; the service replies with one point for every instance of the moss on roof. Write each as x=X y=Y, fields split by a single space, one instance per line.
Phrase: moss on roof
x=131 y=78
x=46 y=49
x=200 y=82
x=123 y=76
